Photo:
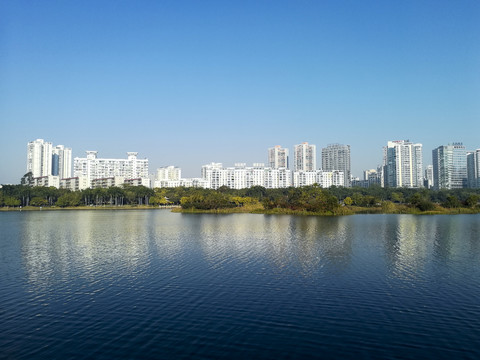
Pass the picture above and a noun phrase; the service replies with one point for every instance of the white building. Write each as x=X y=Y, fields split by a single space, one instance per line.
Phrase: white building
x=450 y=166
x=47 y=181
x=241 y=176
x=190 y=182
x=168 y=173
x=39 y=158
x=473 y=168
x=75 y=183
x=324 y=179
x=429 y=177
x=305 y=157
x=278 y=157
x=62 y=161
x=337 y=157
x=403 y=164
x=107 y=182
x=97 y=168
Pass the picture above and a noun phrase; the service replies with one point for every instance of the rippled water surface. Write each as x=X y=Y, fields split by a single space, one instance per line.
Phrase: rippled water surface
x=155 y=284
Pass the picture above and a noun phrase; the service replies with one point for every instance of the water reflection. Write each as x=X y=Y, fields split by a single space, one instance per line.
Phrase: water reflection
x=60 y=245
x=89 y=242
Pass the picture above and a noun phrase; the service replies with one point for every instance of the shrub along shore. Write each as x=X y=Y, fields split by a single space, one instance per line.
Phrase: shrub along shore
x=308 y=200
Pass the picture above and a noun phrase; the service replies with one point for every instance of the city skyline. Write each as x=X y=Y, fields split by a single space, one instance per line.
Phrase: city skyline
x=191 y=83
x=453 y=167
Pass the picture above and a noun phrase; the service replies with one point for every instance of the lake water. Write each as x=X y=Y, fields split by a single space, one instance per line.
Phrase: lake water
x=154 y=284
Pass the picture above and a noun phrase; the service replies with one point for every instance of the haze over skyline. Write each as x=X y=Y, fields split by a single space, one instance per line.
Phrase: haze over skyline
x=186 y=83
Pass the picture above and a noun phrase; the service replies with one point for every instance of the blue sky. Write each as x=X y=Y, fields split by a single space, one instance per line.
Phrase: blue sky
x=186 y=83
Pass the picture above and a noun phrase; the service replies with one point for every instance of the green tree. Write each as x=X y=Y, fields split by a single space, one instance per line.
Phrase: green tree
x=69 y=199
x=451 y=202
x=38 y=201
x=421 y=202
x=472 y=200
x=348 y=201
x=11 y=201
x=27 y=179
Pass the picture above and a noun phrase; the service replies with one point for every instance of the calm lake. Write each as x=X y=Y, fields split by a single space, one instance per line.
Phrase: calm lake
x=161 y=285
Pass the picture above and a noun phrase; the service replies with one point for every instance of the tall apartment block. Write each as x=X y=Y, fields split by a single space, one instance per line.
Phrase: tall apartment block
x=45 y=160
x=428 y=181
x=473 y=169
x=98 y=168
x=39 y=158
x=305 y=157
x=62 y=162
x=450 y=166
x=403 y=164
x=337 y=157
x=278 y=157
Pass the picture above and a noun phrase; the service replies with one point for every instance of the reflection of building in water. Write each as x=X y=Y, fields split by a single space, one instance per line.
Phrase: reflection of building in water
x=87 y=242
x=405 y=244
x=286 y=240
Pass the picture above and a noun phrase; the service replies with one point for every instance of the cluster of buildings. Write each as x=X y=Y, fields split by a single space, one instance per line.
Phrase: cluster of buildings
x=453 y=167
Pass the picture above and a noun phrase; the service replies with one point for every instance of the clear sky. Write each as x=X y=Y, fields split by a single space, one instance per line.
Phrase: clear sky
x=186 y=83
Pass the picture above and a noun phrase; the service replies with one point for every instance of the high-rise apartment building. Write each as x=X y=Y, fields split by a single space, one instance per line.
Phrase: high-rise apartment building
x=39 y=158
x=168 y=173
x=403 y=164
x=305 y=157
x=62 y=162
x=473 y=169
x=97 y=168
x=429 y=178
x=450 y=166
x=277 y=157
x=337 y=157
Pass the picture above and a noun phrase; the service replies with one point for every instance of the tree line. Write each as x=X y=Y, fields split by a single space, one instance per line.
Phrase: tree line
x=309 y=198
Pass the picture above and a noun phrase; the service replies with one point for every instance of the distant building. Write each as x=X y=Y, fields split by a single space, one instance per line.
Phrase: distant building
x=322 y=178
x=47 y=181
x=278 y=157
x=62 y=161
x=473 y=169
x=337 y=157
x=429 y=178
x=305 y=157
x=450 y=166
x=403 y=164
x=39 y=158
x=169 y=173
x=241 y=176
x=75 y=183
x=98 y=168
x=45 y=161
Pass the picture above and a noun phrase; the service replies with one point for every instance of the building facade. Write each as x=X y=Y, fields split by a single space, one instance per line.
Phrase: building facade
x=473 y=169
x=43 y=159
x=93 y=167
x=168 y=173
x=62 y=161
x=403 y=164
x=278 y=157
x=450 y=166
x=305 y=157
x=429 y=178
x=39 y=158
x=337 y=157
x=324 y=179
x=240 y=176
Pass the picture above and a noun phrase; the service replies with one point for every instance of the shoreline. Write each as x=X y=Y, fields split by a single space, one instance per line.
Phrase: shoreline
x=241 y=210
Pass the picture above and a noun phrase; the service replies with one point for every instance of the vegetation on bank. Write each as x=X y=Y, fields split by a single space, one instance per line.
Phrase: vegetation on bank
x=308 y=200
